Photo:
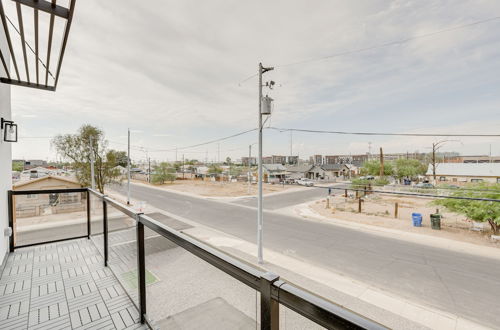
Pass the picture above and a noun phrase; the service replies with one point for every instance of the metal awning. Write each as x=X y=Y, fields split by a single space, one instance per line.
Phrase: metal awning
x=21 y=76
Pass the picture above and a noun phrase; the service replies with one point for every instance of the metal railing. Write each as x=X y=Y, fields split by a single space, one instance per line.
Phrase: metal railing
x=273 y=291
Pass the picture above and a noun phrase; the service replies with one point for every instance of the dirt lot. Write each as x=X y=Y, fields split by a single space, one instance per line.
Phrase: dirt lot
x=221 y=189
x=378 y=210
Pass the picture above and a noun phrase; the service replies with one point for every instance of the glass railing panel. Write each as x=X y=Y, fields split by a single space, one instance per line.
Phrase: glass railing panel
x=122 y=250
x=184 y=291
x=47 y=217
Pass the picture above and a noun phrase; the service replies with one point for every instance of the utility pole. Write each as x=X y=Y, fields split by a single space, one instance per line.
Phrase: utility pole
x=381 y=162
x=176 y=154
x=291 y=144
x=149 y=170
x=262 y=70
x=218 y=153
x=182 y=166
x=128 y=167
x=249 y=168
x=92 y=161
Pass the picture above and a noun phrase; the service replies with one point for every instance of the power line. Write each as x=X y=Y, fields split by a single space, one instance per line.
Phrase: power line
x=382 y=134
x=384 y=45
x=211 y=141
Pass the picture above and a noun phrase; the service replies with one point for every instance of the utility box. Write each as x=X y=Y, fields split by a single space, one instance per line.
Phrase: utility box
x=267 y=104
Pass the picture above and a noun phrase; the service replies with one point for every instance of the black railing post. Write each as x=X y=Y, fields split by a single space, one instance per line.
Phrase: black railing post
x=141 y=269
x=105 y=229
x=269 y=308
x=10 y=200
x=88 y=214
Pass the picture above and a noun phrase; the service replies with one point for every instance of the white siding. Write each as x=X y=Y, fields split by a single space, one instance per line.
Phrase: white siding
x=5 y=155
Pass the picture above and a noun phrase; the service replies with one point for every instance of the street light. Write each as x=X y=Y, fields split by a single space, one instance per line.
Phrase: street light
x=263 y=111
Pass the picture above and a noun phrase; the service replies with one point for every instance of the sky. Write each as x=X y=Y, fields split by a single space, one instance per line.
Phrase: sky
x=175 y=73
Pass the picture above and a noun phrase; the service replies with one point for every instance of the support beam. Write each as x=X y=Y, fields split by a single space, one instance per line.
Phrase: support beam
x=25 y=84
x=46 y=6
x=65 y=39
x=9 y=42
x=23 y=41
x=4 y=64
x=49 y=46
x=36 y=46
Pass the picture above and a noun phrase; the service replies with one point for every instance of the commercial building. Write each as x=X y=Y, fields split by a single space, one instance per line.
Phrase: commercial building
x=461 y=173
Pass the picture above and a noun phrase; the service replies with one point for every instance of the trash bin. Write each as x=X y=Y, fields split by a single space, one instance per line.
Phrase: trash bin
x=417 y=219
x=436 y=221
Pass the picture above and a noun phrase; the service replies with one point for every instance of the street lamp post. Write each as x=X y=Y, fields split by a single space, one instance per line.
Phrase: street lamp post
x=262 y=70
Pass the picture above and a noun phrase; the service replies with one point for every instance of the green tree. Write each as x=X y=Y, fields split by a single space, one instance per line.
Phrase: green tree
x=408 y=168
x=18 y=166
x=372 y=167
x=163 y=173
x=480 y=211
x=214 y=169
x=80 y=147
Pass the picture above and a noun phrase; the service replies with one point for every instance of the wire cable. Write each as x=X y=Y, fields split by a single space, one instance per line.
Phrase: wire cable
x=384 y=45
x=381 y=133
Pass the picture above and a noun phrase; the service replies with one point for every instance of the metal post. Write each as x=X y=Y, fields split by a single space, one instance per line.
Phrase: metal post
x=92 y=161
x=141 y=269
x=269 y=308
x=88 y=215
x=396 y=206
x=345 y=193
x=259 y=175
x=128 y=168
x=11 y=219
x=359 y=204
x=105 y=230
x=262 y=70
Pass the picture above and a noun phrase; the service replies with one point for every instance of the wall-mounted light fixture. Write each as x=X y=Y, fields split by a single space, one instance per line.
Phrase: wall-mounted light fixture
x=9 y=130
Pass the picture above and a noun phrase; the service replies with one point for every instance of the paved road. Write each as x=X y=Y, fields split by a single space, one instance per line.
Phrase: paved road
x=282 y=200
x=455 y=282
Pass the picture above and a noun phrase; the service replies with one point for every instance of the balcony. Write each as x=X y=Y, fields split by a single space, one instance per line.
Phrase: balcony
x=82 y=260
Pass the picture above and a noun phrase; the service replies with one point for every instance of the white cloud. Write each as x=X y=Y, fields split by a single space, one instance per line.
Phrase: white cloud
x=171 y=69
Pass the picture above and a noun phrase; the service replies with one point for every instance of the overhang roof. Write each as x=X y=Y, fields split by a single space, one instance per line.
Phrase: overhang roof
x=22 y=77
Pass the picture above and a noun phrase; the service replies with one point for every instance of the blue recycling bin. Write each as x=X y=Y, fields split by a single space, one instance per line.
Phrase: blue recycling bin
x=417 y=219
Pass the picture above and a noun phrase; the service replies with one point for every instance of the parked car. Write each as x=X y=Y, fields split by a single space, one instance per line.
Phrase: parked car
x=305 y=182
x=367 y=177
x=424 y=185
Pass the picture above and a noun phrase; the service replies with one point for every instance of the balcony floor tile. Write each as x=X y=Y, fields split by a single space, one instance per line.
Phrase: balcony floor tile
x=63 y=286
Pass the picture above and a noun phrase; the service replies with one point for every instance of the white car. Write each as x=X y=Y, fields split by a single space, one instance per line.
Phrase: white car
x=305 y=182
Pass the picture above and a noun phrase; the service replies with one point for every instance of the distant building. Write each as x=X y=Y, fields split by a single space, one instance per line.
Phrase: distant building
x=274 y=173
x=292 y=160
x=267 y=160
x=357 y=160
x=43 y=204
x=456 y=173
x=316 y=160
x=279 y=160
x=246 y=161
x=32 y=163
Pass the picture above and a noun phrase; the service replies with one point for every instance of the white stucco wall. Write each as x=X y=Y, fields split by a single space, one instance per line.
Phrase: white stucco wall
x=5 y=155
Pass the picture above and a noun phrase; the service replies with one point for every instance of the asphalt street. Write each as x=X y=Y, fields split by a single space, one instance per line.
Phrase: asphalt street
x=281 y=200
x=459 y=283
